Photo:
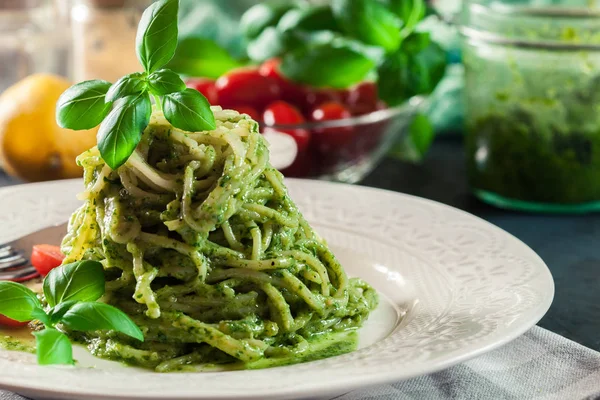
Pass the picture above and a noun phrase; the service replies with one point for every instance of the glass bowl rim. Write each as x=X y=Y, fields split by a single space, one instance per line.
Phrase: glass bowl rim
x=411 y=105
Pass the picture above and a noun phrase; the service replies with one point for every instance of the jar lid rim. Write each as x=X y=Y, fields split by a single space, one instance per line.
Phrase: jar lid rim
x=537 y=11
x=478 y=35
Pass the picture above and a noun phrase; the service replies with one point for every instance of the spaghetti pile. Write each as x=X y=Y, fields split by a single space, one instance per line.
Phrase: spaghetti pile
x=203 y=248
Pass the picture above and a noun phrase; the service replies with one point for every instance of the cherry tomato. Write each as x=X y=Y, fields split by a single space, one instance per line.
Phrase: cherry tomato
x=332 y=145
x=315 y=97
x=282 y=113
x=270 y=68
x=251 y=111
x=247 y=86
x=330 y=111
x=206 y=87
x=362 y=98
x=11 y=323
x=45 y=257
x=290 y=91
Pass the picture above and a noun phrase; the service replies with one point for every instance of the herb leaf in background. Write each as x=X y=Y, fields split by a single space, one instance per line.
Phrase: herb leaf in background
x=121 y=131
x=53 y=347
x=78 y=281
x=156 y=38
x=369 y=21
x=17 y=301
x=411 y=12
x=416 y=68
x=91 y=316
x=165 y=81
x=128 y=85
x=202 y=57
x=261 y=16
x=319 y=18
x=188 y=110
x=327 y=65
x=269 y=43
x=82 y=106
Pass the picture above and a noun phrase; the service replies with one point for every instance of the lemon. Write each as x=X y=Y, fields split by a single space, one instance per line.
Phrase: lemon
x=32 y=146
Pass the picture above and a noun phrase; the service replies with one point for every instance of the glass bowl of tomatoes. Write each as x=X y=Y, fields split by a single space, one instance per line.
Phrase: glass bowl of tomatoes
x=338 y=134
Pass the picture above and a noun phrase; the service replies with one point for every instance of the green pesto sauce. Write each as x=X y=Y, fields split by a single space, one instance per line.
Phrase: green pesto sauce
x=510 y=155
x=320 y=347
x=16 y=343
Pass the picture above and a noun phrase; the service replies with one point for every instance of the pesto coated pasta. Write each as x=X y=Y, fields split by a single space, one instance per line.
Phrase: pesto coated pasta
x=203 y=248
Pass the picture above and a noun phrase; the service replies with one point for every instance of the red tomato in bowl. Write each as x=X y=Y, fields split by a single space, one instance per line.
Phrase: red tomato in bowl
x=11 y=323
x=290 y=91
x=283 y=113
x=251 y=111
x=362 y=98
x=206 y=87
x=332 y=145
x=248 y=87
x=45 y=257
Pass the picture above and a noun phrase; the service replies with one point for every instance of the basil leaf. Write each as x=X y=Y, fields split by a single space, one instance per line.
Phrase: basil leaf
x=126 y=86
x=165 y=81
x=271 y=43
x=17 y=301
x=411 y=12
x=53 y=347
x=259 y=17
x=369 y=21
x=82 y=106
x=57 y=312
x=121 y=131
x=202 y=57
x=326 y=65
x=90 y=316
x=421 y=133
x=156 y=37
x=416 y=68
x=79 y=281
x=188 y=110
x=319 y=18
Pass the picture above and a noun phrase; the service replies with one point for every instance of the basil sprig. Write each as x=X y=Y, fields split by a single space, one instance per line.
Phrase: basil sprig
x=71 y=292
x=123 y=109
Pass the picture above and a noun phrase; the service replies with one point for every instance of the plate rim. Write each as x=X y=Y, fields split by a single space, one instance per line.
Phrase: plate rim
x=472 y=350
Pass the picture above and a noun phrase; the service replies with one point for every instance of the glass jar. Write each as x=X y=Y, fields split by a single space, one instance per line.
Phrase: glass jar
x=533 y=104
x=33 y=38
x=103 y=37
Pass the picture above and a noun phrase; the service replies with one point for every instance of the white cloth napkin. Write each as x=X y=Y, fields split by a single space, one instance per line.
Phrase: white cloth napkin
x=539 y=365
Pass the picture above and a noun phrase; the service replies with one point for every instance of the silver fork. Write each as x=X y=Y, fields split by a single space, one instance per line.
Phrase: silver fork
x=15 y=255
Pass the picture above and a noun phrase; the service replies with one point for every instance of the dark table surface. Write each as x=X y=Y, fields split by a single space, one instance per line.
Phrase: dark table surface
x=569 y=244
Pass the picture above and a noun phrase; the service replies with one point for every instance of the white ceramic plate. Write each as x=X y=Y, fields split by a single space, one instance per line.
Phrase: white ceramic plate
x=452 y=287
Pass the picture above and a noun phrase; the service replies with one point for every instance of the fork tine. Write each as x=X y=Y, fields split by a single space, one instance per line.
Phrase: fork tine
x=12 y=261
x=5 y=250
x=12 y=266
x=20 y=273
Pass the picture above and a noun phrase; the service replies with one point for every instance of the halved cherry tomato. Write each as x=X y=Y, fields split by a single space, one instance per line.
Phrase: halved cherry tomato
x=206 y=87
x=247 y=86
x=11 y=323
x=251 y=111
x=362 y=98
x=283 y=113
x=46 y=257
